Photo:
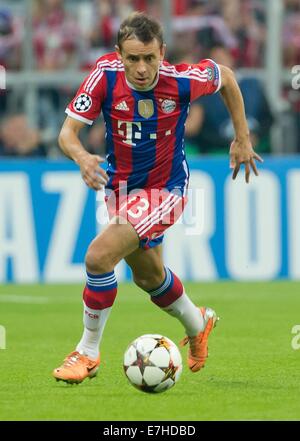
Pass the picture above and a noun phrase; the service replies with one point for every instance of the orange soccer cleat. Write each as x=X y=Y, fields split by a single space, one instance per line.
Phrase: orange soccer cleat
x=76 y=367
x=198 y=351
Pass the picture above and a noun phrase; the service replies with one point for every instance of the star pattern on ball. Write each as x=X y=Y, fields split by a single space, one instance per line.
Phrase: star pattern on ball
x=163 y=342
x=170 y=371
x=152 y=363
x=142 y=361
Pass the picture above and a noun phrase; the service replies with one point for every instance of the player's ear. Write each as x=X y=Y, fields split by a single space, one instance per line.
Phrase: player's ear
x=162 y=51
x=118 y=51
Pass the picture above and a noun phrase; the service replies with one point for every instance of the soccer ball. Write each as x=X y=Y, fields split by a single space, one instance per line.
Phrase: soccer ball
x=152 y=363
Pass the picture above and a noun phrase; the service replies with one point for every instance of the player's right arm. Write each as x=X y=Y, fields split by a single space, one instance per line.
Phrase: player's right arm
x=92 y=174
x=84 y=109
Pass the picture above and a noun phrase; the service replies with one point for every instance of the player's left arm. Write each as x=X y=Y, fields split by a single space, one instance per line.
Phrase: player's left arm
x=241 y=151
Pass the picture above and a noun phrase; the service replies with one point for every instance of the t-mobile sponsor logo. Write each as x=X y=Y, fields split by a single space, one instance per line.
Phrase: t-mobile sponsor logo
x=133 y=130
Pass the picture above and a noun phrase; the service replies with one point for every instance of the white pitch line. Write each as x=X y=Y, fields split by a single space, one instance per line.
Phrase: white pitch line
x=23 y=299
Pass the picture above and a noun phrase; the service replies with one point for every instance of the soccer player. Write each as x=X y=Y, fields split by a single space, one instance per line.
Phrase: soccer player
x=145 y=102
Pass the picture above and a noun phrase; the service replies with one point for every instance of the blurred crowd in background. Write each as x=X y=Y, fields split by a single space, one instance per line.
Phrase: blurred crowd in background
x=71 y=35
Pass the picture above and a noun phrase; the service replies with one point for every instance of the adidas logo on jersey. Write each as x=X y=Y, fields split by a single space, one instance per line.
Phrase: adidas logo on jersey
x=122 y=106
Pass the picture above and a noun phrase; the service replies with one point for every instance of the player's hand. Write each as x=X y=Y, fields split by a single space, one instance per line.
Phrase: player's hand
x=92 y=174
x=241 y=152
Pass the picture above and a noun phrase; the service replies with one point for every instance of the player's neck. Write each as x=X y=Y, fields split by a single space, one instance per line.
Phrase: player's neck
x=132 y=86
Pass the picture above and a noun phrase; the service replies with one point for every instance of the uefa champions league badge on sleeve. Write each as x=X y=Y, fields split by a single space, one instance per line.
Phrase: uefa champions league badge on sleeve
x=82 y=103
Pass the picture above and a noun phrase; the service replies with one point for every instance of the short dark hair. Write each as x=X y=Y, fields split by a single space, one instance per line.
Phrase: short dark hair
x=141 y=26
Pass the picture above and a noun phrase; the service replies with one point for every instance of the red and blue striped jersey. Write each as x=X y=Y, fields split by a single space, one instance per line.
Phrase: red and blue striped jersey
x=144 y=129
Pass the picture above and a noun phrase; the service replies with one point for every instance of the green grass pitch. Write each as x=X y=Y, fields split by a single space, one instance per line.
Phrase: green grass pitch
x=252 y=372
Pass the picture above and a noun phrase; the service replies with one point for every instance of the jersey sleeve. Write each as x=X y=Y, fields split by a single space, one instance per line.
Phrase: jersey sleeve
x=205 y=79
x=87 y=103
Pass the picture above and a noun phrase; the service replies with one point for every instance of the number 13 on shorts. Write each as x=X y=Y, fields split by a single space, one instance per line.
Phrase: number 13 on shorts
x=149 y=212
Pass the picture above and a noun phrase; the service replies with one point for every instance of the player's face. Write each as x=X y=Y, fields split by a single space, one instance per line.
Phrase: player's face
x=141 y=61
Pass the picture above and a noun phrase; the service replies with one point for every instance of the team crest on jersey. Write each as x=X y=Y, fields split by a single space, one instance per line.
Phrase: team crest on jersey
x=168 y=106
x=82 y=103
x=146 y=108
